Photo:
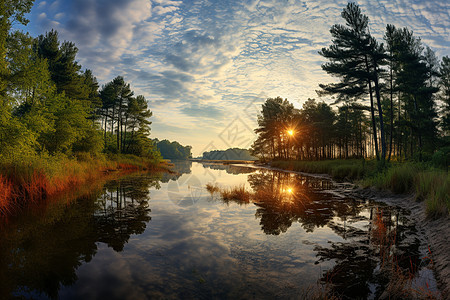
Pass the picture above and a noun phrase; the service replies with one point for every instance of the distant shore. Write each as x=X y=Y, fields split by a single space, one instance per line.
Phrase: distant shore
x=225 y=162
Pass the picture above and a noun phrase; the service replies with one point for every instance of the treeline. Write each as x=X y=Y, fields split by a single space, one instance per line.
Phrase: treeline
x=173 y=150
x=405 y=84
x=50 y=106
x=229 y=154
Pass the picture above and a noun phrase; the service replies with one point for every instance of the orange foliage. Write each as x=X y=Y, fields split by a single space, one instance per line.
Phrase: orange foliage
x=124 y=166
x=19 y=188
x=5 y=195
x=16 y=190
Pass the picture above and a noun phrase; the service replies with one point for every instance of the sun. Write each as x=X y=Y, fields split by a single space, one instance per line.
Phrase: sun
x=289 y=190
x=290 y=132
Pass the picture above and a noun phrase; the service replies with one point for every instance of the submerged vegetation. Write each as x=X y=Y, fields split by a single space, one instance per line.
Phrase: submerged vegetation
x=237 y=194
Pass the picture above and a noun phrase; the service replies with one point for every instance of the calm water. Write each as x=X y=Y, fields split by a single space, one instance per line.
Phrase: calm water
x=164 y=236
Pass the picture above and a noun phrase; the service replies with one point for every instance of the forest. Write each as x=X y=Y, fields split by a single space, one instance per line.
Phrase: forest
x=58 y=127
x=391 y=101
x=173 y=150
x=229 y=154
x=50 y=106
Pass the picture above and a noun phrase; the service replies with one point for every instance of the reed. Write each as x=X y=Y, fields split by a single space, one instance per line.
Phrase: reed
x=212 y=188
x=428 y=184
x=350 y=169
x=30 y=180
x=237 y=194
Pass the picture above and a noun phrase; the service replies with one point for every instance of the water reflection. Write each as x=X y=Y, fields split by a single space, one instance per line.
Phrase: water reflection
x=41 y=253
x=371 y=235
x=179 y=168
x=229 y=168
x=284 y=198
x=290 y=231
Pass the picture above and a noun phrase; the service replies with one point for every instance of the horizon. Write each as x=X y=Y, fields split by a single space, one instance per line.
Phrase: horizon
x=205 y=67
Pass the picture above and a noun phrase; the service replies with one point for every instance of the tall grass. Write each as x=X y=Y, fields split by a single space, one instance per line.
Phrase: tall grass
x=35 y=178
x=398 y=178
x=428 y=184
x=212 y=188
x=434 y=188
x=350 y=169
x=238 y=194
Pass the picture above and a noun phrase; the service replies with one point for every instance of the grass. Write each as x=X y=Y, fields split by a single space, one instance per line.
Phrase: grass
x=237 y=194
x=351 y=169
x=427 y=183
x=212 y=189
x=398 y=178
x=35 y=178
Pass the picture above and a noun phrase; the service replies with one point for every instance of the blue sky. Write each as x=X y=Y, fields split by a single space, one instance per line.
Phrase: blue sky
x=206 y=66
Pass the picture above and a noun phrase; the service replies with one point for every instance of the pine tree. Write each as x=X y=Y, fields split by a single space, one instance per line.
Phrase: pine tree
x=444 y=84
x=355 y=57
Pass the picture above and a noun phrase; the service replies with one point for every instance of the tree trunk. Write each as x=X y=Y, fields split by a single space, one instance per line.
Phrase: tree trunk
x=372 y=112
x=392 y=113
x=380 y=114
x=419 y=127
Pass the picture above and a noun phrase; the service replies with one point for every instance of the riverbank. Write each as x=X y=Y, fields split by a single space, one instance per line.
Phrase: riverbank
x=403 y=185
x=28 y=181
x=433 y=232
x=225 y=162
x=427 y=184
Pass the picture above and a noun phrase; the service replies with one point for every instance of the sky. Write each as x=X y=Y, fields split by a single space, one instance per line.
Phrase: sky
x=206 y=66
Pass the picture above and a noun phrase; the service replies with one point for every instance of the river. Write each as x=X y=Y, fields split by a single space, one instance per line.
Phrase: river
x=165 y=236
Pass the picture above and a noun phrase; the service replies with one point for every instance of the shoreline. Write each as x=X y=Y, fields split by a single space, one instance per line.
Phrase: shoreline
x=434 y=232
x=224 y=162
x=22 y=185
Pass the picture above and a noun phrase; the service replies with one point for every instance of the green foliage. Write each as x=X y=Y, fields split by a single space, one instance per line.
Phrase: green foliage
x=10 y=11
x=229 y=154
x=17 y=142
x=399 y=179
x=91 y=141
x=173 y=150
x=50 y=108
x=351 y=169
x=126 y=118
x=441 y=158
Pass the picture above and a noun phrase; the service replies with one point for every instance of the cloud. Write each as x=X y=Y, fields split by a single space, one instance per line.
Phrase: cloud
x=206 y=59
x=160 y=10
x=106 y=25
x=203 y=111
x=59 y=16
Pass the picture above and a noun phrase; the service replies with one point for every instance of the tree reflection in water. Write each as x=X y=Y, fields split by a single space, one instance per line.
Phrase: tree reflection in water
x=284 y=198
x=41 y=252
x=372 y=233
